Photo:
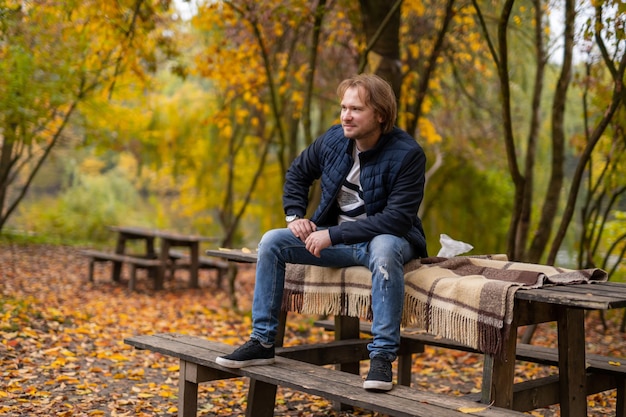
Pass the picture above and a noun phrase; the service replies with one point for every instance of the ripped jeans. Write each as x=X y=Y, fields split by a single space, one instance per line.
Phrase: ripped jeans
x=384 y=255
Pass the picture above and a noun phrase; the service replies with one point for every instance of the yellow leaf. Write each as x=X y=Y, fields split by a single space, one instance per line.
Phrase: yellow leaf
x=67 y=378
x=118 y=357
x=615 y=363
x=468 y=410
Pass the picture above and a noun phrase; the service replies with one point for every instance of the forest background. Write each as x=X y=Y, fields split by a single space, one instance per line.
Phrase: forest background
x=185 y=115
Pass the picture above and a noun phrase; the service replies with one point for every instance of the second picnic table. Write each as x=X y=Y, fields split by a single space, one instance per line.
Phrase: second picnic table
x=167 y=241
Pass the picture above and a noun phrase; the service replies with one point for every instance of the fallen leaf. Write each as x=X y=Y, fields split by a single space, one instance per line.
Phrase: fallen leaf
x=468 y=410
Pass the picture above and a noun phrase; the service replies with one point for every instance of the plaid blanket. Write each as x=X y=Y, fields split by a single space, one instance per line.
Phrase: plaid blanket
x=466 y=299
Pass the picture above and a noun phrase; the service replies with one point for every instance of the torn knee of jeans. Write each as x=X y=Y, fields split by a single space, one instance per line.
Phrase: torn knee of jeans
x=383 y=270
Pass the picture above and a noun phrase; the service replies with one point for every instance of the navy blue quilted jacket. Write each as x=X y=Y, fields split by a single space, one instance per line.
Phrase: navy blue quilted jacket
x=392 y=178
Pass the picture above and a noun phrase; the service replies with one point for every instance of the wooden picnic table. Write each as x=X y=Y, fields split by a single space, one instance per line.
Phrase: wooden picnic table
x=565 y=305
x=167 y=241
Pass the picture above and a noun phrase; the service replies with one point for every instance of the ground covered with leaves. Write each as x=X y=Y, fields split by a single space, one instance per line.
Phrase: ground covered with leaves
x=62 y=350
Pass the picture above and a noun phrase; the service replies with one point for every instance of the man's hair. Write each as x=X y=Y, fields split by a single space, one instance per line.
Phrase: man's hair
x=377 y=93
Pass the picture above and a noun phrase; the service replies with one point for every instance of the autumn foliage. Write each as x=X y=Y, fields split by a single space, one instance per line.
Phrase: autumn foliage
x=122 y=112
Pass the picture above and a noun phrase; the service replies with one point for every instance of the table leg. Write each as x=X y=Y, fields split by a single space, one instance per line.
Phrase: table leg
x=261 y=399
x=404 y=369
x=498 y=374
x=282 y=324
x=347 y=328
x=120 y=248
x=261 y=395
x=187 y=393
x=164 y=256
x=620 y=407
x=194 y=264
x=150 y=247
x=572 y=373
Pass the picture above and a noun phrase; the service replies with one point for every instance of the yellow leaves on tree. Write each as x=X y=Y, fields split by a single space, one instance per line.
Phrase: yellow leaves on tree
x=428 y=132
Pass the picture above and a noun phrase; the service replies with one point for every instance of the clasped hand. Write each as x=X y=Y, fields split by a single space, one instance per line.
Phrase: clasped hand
x=314 y=240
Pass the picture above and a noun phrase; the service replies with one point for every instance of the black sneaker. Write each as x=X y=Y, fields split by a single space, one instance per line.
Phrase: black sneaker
x=380 y=376
x=251 y=353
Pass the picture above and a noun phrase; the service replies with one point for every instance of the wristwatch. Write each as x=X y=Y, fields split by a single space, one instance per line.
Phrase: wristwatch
x=291 y=217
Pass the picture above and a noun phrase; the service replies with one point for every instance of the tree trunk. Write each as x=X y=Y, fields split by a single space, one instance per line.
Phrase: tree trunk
x=381 y=24
x=552 y=197
x=523 y=227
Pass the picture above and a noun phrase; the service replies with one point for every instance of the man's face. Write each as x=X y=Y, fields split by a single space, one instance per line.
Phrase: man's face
x=359 y=121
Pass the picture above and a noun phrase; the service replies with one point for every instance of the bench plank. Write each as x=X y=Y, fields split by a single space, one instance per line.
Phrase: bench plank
x=328 y=383
x=203 y=261
x=111 y=256
x=134 y=262
x=179 y=260
x=603 y=373
x=183 y=260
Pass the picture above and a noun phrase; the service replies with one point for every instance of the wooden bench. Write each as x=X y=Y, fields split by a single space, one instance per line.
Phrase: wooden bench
x=134 y=262
x=178 y=260
x=182 y=260
x=603 y=373
x=197 y=364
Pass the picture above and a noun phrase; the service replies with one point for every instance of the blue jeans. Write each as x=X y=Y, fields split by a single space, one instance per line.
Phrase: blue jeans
x=385 y=256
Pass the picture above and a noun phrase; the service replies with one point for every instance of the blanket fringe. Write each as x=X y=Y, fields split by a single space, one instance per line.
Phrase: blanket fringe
x=327 y=304
x=485 y=334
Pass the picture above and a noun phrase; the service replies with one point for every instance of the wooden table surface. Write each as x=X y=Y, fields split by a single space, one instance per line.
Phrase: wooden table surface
x=141 y=232
x=596 y=296
x=235 y=255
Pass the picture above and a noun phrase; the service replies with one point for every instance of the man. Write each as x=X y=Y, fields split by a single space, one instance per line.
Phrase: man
x=372 y=184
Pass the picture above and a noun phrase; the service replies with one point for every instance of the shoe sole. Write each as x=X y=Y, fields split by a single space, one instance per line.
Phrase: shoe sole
x=378 y=385
x=229 y=363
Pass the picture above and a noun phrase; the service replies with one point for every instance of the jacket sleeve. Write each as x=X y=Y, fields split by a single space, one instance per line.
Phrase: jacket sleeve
x=304 y=170
x=399 y=215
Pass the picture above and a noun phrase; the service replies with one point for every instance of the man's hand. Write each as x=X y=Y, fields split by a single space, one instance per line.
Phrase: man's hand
x=302 y=228
x=317 y=241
